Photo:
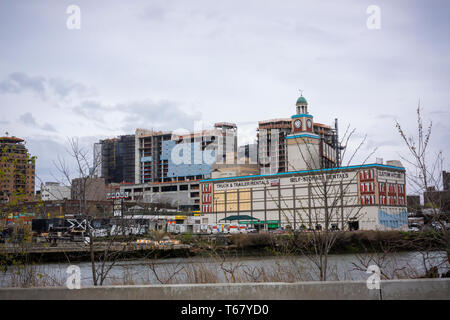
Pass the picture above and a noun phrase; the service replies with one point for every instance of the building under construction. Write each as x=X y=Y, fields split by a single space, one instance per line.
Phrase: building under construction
x=17 y=173
x=272 y=150
x=148 y=148
x=114 y=159
x=167 y=156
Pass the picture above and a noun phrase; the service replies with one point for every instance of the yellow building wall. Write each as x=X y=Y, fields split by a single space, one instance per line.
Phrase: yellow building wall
x=231 y=204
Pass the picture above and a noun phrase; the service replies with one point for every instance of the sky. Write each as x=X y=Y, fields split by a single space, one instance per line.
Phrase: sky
x=168 y=64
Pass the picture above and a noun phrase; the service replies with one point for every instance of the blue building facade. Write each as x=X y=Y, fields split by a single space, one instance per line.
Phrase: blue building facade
x=187 y=159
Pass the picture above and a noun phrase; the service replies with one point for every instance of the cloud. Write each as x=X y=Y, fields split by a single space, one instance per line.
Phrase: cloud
x=236 y=60
x=18 y=82
x=29 y=120
x=163 y=114
x=439 y=112
x=48 y=127
x=92 y=110
x=147 y=113
x=63 y=88
x=386 y=116
x=153 y=12
x=47 y=152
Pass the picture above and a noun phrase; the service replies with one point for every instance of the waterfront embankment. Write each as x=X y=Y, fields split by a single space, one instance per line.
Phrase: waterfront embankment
x=258 y=244
x=432 y=289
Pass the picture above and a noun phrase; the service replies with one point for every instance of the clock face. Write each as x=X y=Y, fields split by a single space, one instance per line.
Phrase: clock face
x=298 y=123
x=309 y=124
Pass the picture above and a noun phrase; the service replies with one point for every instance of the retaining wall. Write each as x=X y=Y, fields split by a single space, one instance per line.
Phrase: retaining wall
x=346 y=290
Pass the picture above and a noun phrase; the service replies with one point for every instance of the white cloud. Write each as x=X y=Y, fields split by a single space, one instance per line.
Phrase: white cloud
x=169 y=63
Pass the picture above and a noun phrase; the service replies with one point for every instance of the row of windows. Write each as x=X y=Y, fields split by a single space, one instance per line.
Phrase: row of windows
x=207 y=187
x=384 y=200
x=391 y=200
x=392 y=187
x=367 y=187
x=206 y=198
x=366 y=174
x=368 y=199
x=207 y=208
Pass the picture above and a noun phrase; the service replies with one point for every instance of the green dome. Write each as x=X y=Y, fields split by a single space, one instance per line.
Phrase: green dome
x=301 y=100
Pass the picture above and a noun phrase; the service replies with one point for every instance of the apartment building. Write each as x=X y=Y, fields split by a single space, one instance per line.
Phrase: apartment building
x=17 y=170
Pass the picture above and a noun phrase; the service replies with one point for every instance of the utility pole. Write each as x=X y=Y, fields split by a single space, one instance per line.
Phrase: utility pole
x=215 y=208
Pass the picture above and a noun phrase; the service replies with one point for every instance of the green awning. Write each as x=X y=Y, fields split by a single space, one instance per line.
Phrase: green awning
x=240 y=217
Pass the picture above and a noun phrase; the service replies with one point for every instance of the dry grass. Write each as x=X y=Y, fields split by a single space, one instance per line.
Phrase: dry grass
x=28 y=276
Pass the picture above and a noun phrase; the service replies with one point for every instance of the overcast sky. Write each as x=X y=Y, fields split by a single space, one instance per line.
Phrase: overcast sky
x=165 y=64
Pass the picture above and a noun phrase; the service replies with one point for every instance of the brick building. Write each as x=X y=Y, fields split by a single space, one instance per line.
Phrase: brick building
x=91 y=189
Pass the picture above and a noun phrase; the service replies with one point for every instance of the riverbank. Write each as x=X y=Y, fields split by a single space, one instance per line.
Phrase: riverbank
x=302 y=243
x=223 y=269
x=81 y=252
x=237 y=245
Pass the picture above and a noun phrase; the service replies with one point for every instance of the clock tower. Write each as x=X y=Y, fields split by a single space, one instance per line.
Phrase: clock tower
x=303 y=144
x=302 y=121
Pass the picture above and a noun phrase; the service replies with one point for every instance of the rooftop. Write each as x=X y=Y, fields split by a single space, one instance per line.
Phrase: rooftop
x=330 y=170
x=301 y=99
x=11 y=139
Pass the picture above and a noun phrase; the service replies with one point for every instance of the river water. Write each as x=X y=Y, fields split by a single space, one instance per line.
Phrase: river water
x=219 y=269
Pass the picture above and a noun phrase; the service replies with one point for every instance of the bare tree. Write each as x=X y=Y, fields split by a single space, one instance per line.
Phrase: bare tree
x=329 y=202
x=424 y=178
x=165 y=274
x=104 y=254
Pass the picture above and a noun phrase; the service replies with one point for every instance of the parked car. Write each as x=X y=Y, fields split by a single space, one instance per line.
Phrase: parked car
x=436 y=225
x=279 y=231
x=415 y=226
x=334 y=227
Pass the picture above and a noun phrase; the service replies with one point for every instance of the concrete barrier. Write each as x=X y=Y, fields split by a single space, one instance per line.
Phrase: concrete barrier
x=330 y=290
x=430 y=289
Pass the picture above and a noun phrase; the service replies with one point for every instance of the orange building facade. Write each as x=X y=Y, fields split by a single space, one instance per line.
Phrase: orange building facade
x=17 y=171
